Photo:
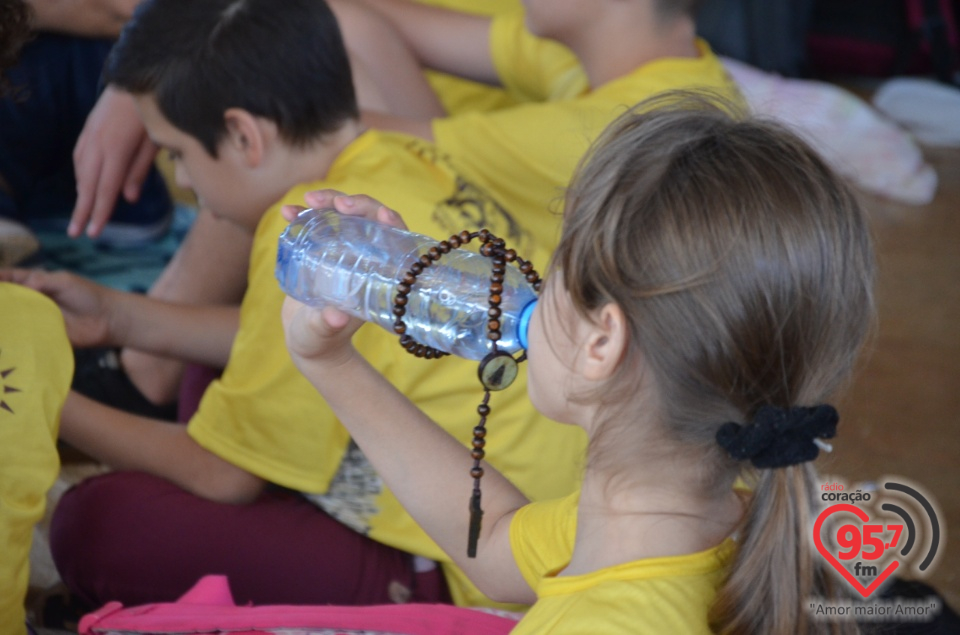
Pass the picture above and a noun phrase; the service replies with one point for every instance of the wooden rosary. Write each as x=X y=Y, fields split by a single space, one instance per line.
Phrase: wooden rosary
x=498 y=369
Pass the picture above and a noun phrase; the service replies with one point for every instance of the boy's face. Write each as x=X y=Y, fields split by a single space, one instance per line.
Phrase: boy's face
x=220 y=183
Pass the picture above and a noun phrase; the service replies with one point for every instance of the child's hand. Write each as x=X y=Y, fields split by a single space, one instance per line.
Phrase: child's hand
x=324 y=335
x=356 y=205
x=89 y=310
x=318 y=335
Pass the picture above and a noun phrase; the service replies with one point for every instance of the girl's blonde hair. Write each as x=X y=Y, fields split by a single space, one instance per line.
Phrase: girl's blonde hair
x=744 y=267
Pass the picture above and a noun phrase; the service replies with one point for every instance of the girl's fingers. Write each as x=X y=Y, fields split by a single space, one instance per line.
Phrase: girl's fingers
x=353 y=205
x=321 y=198
x=290 y=212
x=335 y=319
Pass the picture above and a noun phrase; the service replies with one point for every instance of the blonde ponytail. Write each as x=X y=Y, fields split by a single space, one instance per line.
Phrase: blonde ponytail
x=774 y=572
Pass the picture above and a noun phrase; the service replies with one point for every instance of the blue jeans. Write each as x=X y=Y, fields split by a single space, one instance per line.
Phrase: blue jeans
x=55 y=86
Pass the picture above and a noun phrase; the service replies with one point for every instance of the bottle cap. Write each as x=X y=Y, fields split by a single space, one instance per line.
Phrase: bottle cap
x=525 y=315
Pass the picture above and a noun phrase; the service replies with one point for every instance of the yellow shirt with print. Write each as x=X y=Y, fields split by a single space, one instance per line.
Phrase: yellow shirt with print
x=527 y=154
x=36 y=365
x=654 y=595
x=264 y=416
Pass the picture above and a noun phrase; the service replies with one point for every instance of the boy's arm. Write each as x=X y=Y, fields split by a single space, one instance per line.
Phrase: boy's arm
x=189 y=333
x=99 y=316
x=443 y=39
x=386 y=121
x=126 y=441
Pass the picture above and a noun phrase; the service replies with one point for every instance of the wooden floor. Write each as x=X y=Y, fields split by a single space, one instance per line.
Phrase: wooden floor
x=901 y=417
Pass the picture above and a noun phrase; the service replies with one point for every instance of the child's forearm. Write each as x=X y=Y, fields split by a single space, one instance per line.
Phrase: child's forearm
x=190 y=333
x=427 y=470
x=386 y=121
x=130 y=442
x=452 y=41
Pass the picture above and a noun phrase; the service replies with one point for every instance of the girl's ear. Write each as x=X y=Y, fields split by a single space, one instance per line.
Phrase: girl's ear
x=246 y=136
x=606 y=343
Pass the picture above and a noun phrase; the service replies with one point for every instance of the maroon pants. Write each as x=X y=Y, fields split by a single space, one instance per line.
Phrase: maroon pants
x=135 y=538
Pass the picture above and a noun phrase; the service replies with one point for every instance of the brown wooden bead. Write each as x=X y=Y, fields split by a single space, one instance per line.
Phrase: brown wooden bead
x=494 y=325
x=401 y=300
x=495 y=299
x=399 y=311
x=526 y=267
x=486 y=250
x=493 y=336
x=444 y=247
x=484 y=235
x=478 y=454
x=479 y=432
x=416 y=268
x=425 y=260
x=494 y=312
x=537 y=285
x=479 y=443
x=403 y=288
x=497 y=278
x=532 y=277
x=434 y=253
x=400 y=328
x=430 y=353
x=465 y=237
x=496 y=288
x=510 y=255
x=476 y=472
x=483 y=410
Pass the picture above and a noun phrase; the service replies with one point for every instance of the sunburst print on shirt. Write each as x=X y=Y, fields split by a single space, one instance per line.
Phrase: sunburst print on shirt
x=5 y=388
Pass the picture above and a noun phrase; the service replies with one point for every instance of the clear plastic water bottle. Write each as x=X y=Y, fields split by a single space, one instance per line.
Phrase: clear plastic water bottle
x=354 y=264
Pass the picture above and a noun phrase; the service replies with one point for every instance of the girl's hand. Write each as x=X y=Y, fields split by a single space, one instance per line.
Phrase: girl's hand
x=323 y=336
x=357 y=205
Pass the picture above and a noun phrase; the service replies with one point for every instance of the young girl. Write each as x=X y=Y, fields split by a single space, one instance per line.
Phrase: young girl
x=711 y=291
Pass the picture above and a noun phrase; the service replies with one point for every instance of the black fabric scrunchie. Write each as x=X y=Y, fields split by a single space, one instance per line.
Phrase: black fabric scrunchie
x=779 y=437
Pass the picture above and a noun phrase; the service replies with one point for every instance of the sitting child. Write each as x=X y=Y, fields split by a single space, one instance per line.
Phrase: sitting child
x=35 y=369
x=710 y=293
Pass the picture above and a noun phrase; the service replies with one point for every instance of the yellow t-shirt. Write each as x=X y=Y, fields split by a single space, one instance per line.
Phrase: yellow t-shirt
x=654 y=595
x=264 y=416
x=527 y=154
x=36 y=364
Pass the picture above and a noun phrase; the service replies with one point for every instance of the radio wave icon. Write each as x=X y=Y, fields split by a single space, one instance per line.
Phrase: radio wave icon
x=908 y=521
